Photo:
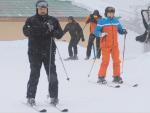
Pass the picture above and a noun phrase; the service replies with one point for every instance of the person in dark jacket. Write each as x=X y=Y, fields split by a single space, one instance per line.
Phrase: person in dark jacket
x=92 y=20
x=76 y=34
x=146 y=36
x=40 y=29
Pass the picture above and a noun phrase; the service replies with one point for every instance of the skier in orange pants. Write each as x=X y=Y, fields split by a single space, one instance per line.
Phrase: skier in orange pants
x=107 y=30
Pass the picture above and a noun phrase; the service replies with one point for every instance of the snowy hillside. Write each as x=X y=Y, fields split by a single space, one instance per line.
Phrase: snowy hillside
x=124 y=7
x=129 y=10
x=79 y=95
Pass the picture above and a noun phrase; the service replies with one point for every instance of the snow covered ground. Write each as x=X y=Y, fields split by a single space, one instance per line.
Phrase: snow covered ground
x=79 y=95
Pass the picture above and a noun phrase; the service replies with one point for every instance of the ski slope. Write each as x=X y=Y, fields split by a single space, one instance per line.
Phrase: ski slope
x=123 y=7
x=129 y=10
x=79 y=95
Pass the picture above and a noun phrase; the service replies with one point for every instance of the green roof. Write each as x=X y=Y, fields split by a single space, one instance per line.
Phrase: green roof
x=25 y=8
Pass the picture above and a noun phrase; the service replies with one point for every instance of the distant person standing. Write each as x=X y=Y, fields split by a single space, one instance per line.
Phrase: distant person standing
x=76 y=34
x=92 y=20
x=40 y=29
x=146 y=22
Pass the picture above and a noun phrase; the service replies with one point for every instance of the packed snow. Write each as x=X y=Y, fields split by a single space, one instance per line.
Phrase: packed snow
x=79 y=95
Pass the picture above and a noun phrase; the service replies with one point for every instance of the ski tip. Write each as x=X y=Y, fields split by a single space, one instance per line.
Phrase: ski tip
x=118 y=86
x=43 y=111
x=135 y=85
x=65 y=110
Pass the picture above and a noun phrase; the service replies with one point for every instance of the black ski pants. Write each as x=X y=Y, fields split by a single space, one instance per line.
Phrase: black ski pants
x=72 y=48
x=36 y=60
x=90 y=44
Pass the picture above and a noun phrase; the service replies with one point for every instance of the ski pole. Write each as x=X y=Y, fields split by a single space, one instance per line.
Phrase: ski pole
x=50 y=64
x=63 y=64
x=94 y=51
x=124 y=48
x=91 y=68
x=50 y=59
x=93 y=61
x=59 y=56
x=84 y=27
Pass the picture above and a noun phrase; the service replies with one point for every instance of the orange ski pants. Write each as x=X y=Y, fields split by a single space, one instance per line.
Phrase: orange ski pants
x=106 y=52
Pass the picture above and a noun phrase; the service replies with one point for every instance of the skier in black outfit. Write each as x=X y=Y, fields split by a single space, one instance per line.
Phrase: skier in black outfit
x=144 y=37
x=76 y=34
x=39 y=41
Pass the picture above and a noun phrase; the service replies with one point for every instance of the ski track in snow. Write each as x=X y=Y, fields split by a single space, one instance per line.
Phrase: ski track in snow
x=78 y=95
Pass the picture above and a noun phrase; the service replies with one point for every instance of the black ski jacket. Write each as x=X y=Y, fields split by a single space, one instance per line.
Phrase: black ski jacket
x=144 y=22
x=75 y=30
x=38 y=33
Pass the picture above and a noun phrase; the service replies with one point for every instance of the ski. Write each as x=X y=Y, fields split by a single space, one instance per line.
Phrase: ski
x=60 y=109
x=130 y=85
x=36 y=108
x=69 y=59
x=39 y=110
x=112 y=85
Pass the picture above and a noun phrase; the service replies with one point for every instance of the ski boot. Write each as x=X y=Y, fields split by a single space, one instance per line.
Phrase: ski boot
x=87 y=58
x=101 y=80
x=75 y=57
x=117 y=80
x=31 y=101
x=69 y=58
x=54 y=101
x=94 y=58
x=98 y=56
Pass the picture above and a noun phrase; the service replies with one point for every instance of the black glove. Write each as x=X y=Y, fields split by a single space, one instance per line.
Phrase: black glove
x=125 y=31
x=27 y=30
x=47 y=25
x=50 y=27
x=83 y=39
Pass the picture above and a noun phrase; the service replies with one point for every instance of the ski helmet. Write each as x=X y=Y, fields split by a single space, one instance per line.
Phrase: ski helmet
x=42 y=4
x=108 y=10
x=71 y=18
x=96 y=12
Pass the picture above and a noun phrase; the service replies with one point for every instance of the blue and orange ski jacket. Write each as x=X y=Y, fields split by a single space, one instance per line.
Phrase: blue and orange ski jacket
x=111 y=27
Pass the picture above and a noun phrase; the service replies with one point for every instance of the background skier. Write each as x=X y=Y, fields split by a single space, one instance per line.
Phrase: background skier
x=107 y=30
x=76 y=34
x=39 y=36
x=92 y=19
x=144 y=37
